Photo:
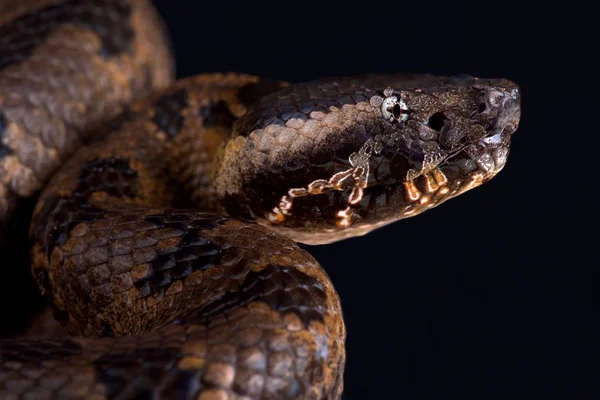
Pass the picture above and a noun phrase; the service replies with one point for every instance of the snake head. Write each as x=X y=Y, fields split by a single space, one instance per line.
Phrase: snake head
x=327 y=160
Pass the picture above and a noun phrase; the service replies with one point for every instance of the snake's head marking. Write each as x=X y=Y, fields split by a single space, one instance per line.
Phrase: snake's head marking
x=327 y=160
x=462 y=123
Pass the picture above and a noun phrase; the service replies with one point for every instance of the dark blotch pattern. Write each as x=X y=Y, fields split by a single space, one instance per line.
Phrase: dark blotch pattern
x=192 y=254
x=61 y=214
x=168 y=111
x=217 y=114
x=111 y=175
x=137 y=374
x=283 y=289
x=17 y=44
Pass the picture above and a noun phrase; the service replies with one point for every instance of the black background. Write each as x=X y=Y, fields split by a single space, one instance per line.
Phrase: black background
x=490 y=294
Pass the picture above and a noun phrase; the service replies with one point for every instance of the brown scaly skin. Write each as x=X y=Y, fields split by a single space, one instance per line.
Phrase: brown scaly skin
x=256 y=315
x=219 y=304
x=60 y=76
x=65 y=66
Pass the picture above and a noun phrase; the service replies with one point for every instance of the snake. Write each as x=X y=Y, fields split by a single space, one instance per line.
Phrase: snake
x=169 y=212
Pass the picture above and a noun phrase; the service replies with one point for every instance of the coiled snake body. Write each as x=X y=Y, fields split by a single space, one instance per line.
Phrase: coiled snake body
x=166 y=239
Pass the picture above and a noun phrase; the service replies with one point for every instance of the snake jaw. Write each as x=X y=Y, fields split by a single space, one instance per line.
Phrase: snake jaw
x=358 y=174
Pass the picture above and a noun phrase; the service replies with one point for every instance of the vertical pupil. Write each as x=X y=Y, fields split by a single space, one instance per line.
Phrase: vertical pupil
x=396 y=110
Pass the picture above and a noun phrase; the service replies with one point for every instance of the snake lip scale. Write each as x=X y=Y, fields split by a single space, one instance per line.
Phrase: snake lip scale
x=166 y=231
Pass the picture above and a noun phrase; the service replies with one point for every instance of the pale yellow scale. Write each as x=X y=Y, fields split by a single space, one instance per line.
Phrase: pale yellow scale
x=435 y=185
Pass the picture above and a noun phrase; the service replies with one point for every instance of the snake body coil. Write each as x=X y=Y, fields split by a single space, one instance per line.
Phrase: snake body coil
x=166 y=239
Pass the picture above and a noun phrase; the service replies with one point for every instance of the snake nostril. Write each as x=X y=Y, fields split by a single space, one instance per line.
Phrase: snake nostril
x=437 y=121
x=482 y=108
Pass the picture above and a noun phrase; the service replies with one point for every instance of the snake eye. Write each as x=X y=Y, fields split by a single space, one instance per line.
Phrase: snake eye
x=394 y=109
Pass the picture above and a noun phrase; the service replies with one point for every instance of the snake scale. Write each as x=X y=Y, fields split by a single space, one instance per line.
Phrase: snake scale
x=165 y=233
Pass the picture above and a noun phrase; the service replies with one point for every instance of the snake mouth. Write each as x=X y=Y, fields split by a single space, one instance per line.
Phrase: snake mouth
x=463 y=169
x=486 y=158
x=400 y=187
